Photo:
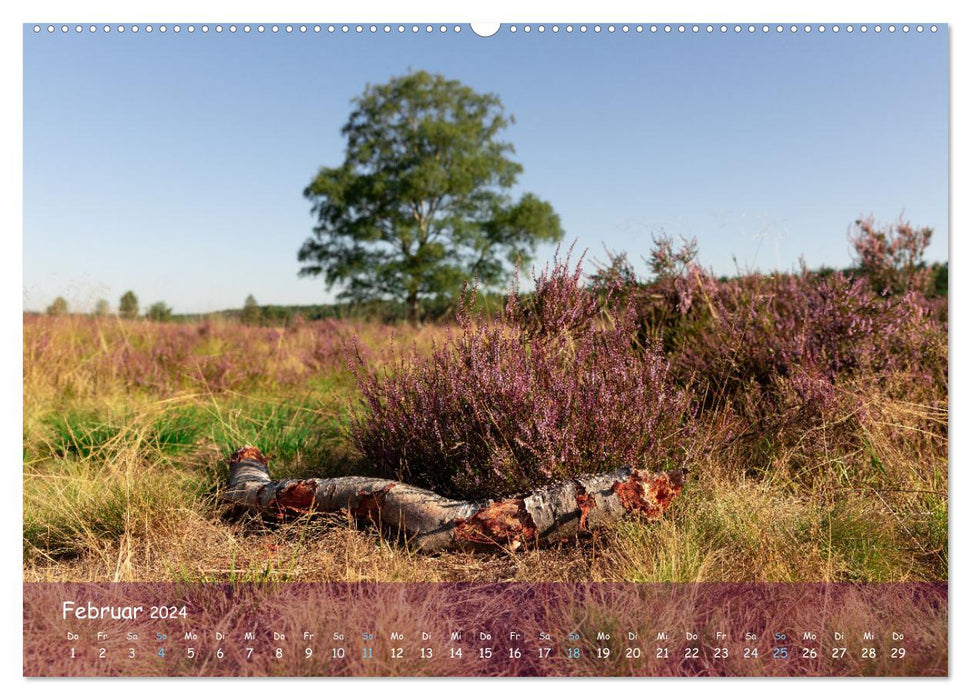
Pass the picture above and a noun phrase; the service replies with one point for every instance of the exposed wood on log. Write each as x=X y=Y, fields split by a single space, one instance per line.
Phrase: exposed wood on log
x=434 y=523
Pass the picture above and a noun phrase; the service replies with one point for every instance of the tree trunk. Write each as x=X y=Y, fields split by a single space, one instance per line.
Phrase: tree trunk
x=557 y=512
x=414 y=310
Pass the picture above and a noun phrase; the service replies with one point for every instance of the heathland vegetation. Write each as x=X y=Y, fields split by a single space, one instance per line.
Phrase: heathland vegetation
x=810 y=408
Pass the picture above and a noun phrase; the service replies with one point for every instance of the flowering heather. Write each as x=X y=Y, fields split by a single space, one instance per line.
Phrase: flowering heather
x=559 y=305
x=678 y=295
x=892 y=257
x=808 y=329
x=789 y=354
x=551 y=391
x=817 y=432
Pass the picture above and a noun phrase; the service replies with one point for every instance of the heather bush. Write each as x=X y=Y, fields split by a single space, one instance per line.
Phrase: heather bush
x=677 y=302
x=769 y=328
x=552 y=390
x=559 y=305
x=790 y=354
x=892 y=256
x=615 y=277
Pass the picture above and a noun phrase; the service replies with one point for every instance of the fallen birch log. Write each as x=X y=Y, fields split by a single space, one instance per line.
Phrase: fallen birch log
x=551 y=513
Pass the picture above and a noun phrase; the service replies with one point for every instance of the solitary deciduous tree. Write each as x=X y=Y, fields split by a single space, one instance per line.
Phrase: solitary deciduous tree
x=421 y=202
x=58 y=307
x=252 y=313
x=128 y=305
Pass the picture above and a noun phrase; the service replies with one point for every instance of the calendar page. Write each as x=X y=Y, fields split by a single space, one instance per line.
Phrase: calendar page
x=519 y=349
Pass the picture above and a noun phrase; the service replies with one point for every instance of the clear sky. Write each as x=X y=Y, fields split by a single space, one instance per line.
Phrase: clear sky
x=174 y=165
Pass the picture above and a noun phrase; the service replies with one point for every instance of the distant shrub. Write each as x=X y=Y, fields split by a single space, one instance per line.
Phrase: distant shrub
x=552 y=390
x=128 y=305
x=58 y=307
x=159 y=311
x=939 y=279
x=101 y=308
x=252 y=314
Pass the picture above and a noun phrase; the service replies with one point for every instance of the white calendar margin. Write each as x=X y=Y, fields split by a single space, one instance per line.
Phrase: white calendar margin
x=11 y=274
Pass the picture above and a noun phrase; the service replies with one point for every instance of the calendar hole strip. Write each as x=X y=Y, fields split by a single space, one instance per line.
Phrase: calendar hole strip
x=484 y=31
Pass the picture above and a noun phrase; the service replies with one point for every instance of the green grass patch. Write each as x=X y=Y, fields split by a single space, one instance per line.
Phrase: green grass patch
x=80 y=434
x=863 y=544
x=301 y=438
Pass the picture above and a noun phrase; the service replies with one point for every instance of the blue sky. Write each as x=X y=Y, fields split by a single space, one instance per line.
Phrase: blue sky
x=174 y=165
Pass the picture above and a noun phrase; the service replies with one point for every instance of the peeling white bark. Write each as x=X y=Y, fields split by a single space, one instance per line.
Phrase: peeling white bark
x=434 y=523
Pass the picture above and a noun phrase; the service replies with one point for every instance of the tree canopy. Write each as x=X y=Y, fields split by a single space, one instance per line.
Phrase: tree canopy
x=422 y=200
x=58 y=307
x=128 y=305
x=102 y=308
x=252 y=314
x=159 y=311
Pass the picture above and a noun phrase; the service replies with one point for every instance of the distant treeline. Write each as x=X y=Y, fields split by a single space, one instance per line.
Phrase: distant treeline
x=385 y=311
x=440 y=309
x=938 y=286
